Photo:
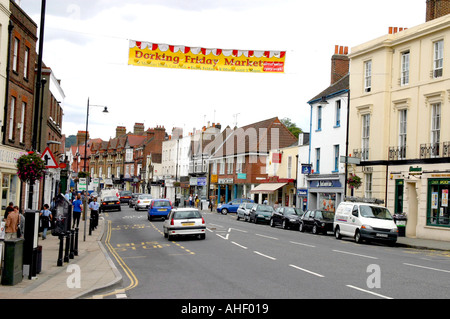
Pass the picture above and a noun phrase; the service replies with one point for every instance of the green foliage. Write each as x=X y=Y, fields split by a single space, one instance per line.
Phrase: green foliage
x=30 y=167
x=292 y=127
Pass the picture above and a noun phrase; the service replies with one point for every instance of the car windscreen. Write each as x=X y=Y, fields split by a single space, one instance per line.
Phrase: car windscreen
x=374 y=212
x=161 y=203
x=249 y=205
x=187 y=215
x=110 y=199
x=125 y=193
x=145 y=197
x=291 y=211
x=262 y=208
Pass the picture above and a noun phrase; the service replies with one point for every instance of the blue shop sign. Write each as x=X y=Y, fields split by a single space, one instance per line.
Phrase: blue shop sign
x=325 y=183
x=302 y=192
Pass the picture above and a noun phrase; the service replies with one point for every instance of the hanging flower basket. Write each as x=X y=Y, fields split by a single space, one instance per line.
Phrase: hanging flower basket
x=354 y=181
x=30 y=167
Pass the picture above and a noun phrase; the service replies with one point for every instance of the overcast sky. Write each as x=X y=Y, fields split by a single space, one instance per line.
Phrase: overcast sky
x=86 y=45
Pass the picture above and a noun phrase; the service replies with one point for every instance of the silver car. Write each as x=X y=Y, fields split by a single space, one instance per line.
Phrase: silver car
x=243 y=211
x=184 y=222
x=143 y=201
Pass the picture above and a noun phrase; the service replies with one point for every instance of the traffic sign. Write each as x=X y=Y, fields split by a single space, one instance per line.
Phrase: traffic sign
x=49 y=159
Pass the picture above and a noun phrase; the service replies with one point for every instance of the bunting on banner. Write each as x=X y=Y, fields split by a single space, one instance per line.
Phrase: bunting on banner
x=195 y=58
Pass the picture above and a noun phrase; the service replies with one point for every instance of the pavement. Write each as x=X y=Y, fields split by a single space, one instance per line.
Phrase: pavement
x=98 y=274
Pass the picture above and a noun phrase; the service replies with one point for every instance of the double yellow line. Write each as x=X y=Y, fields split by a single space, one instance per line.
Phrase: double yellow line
x=133 y=280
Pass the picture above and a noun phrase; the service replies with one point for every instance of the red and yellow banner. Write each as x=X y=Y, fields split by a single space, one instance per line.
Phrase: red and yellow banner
x=183 y=57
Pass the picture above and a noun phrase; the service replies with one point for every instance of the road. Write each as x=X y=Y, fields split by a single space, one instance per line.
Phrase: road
x=239 y=260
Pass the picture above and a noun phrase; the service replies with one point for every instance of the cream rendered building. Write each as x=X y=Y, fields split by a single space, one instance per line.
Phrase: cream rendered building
x=400 y=105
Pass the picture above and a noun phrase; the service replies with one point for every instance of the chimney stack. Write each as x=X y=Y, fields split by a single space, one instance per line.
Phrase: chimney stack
x=121 y=130
x=437 y=9
x=339 y=63
x=81 y=136
x=138 y=128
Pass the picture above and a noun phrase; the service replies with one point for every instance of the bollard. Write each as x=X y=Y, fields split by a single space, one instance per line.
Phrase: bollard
x=59 y=263
x=75 y=250
x=71 y=254
x=66 y=251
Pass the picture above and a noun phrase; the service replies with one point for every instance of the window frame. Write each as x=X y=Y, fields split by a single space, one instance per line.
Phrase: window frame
x=368 y=76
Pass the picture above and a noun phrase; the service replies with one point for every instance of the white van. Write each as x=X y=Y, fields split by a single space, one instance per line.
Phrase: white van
x=364 y=219
x=109 y=192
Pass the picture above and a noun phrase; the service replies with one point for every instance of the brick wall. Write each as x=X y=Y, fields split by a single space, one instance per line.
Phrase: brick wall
x=437 y=9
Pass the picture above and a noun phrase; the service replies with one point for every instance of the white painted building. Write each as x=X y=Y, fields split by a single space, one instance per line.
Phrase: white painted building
x=328 y=127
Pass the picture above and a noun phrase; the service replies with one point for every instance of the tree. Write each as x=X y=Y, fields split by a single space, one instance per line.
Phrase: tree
x=292 y=127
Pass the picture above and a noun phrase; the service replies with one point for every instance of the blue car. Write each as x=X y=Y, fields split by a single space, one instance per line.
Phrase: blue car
x=232 y=206
x=159 y=208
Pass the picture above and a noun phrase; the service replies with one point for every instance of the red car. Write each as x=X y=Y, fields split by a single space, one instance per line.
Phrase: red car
x=125 y=196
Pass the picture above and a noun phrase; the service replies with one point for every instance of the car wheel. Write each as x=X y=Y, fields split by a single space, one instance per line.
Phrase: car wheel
x=272 y=223
x=358 y=237
x=314 y=230
x=165 y=235
x=285 y=225
x=170 y=237
x=301 y=228
x=120 y=209
x=224 y=211
x=202 y=236
x=337 y=233
x=237 y=217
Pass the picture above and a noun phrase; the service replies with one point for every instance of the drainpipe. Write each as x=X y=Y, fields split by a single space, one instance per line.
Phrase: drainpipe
x=8 y=64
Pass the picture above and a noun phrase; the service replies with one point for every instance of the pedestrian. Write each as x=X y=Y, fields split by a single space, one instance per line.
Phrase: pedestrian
x=67 y=196
x=21 y=223
x=190 y=200
x=12 y=222
x=196 y=201
x=94 y=207
x=77 y=208
x=9 y=209
x=46 y=217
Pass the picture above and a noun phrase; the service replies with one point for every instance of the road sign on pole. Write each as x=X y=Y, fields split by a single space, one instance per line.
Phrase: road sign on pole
x=49 y=159
x=349 y=160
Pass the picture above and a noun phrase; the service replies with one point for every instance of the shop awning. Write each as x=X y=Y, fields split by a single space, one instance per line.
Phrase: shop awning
x=267 y=188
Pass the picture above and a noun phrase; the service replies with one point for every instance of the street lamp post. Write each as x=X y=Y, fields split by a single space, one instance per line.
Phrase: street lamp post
x=105 y=110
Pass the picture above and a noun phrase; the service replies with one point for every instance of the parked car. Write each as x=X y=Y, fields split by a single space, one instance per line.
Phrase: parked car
x=184 y=222
x=133 y=199
x=261 y=213
x=318 y=221
x=231 y=207
x=365 y=221
x=125 y=196
x=287 y=217
x=243 y=211
x=110 y=203
x=143 y=201
x=159 y=208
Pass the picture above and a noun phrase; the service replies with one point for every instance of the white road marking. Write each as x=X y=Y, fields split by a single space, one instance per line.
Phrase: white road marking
x=369 y=292
x=257 y=252
x=359 y=255
x=266 y=236
x=293 y=242
x=308 y=271
x=238 y=245
x=448 y=271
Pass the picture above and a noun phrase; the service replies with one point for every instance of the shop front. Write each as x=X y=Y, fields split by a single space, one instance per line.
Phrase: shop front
x=325 y=193
x=421 y=193
x=10 y=182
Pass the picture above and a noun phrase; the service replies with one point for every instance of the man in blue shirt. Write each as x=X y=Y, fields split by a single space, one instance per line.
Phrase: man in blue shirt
x=94 y=207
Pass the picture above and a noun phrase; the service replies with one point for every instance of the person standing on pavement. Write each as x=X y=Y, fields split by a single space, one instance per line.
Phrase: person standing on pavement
x=77 y=208
x=94 y=207
x=9 y=209
x=12 y=221
x=46 y=217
